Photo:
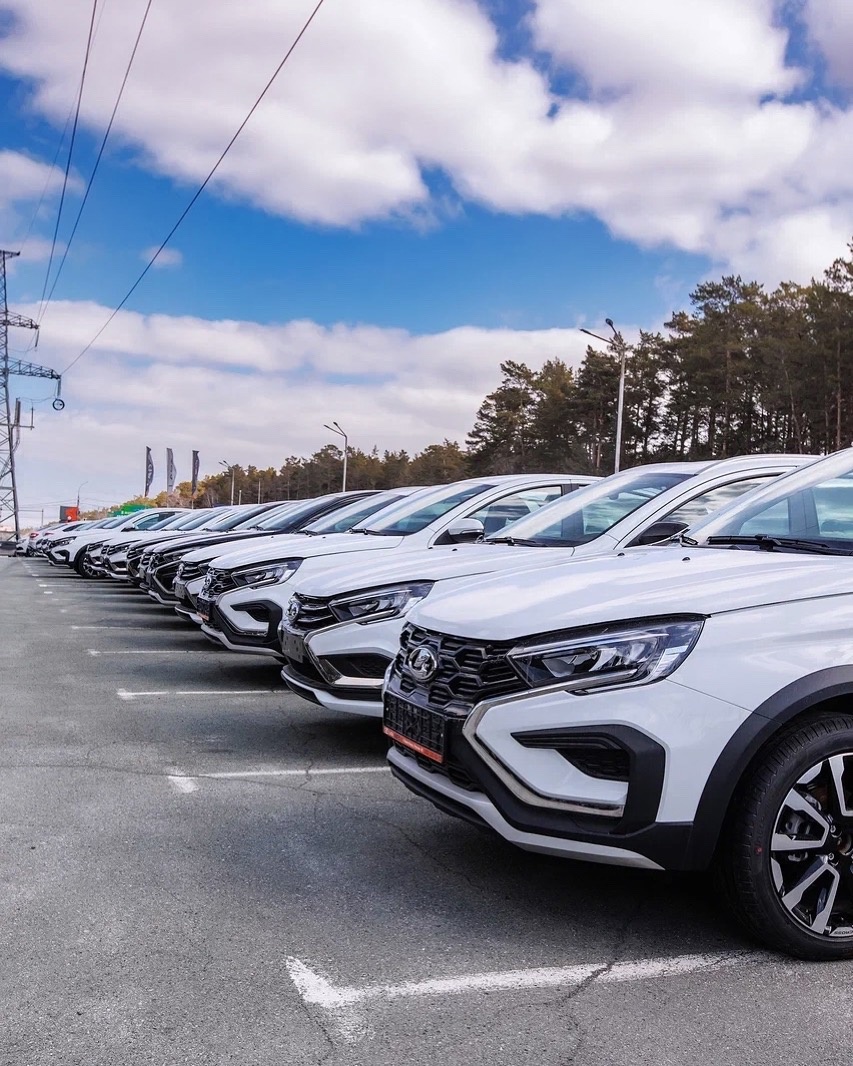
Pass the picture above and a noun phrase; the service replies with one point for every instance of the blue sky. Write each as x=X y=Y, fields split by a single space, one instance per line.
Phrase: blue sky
x=428 y=189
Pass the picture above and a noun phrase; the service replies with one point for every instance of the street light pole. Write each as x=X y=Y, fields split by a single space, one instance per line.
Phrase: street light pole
x=80 y=486
x=616 y=342
x=335 y=428
x=229 y=466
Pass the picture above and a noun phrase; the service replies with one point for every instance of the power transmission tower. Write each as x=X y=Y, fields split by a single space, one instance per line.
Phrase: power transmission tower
x=8 y=425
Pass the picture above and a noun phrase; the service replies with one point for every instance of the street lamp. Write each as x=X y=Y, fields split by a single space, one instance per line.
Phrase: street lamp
x=617 y=342
x=335 y=428
x=80 y=486
x=228 y=466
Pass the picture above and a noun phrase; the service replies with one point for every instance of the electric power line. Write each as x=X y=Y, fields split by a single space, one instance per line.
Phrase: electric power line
x=98 y=157
x=70 y=150
x=201 y=187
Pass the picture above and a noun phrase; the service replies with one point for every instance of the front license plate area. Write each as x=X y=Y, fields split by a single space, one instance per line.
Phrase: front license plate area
x=416 y=728
x=293 y=646
x=204 y=609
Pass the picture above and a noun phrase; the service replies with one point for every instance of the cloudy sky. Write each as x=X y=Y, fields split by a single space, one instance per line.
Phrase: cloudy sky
x=430 y=186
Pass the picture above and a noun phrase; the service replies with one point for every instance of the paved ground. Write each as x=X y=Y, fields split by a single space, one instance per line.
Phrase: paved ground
x=182 y=881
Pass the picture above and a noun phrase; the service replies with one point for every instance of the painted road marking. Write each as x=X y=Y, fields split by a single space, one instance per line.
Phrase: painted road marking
x=224 y=775
x=317 y=990
x=111 y=627
x=124 y=694
x=153 y=651
x=183 y=784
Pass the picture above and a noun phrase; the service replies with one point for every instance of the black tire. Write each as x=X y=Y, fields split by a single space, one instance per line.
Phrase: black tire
x=743 y=865
x=80 y=569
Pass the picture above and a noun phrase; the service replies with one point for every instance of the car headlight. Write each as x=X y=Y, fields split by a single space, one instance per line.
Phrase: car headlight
x=271 y=574
x=61 y=543
x=617 y=654
x=379 y=603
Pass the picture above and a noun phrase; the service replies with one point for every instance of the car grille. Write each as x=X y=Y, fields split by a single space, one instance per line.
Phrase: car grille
x=468 y=671
x=217 y=582
x=190 y=571
x=314 y=613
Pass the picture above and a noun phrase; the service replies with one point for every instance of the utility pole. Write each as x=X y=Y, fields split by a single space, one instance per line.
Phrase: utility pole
x=8 y=484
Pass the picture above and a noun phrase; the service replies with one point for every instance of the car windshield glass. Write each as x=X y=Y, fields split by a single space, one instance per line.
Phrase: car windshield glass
x=113 y=522
x=185 y=521
x=811 y=505
x=586 y=514
x=298 y=515
x=413 y=515
x=355 y=514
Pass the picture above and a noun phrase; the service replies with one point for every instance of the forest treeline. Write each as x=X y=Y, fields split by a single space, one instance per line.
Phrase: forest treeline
x=741 y=370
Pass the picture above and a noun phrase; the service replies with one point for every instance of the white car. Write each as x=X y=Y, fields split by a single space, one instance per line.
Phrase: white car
x=110 y=555
x=341 y=630
x=234 y=604
x=675 y=708
x=69 y=550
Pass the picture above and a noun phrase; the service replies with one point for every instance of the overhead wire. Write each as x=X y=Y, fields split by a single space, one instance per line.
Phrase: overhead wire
x=98 y=157
x=201 y=187
x=70 y=152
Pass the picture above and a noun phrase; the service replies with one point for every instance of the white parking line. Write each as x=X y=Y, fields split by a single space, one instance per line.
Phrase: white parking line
x=153 y=651
x=111 y=627
x=317 y=990
x=124 y=694
x=299 y=773
x=183 y=784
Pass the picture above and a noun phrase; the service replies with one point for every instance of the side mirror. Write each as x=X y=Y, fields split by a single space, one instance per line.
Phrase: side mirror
x=659 y=531
x=465 y=531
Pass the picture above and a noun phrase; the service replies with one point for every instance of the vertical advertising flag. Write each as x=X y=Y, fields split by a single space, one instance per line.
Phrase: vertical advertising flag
x=149 y=471
x=194 y=485
x=171 y=472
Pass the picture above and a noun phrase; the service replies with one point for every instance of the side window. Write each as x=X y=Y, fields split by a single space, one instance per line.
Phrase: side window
x=500 y=513
x=833 y=504
x=712 y=500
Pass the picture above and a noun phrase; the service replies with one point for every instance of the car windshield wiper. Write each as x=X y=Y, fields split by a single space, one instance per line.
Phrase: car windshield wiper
x=520 y=541
x=379 y=532
x=765 y=542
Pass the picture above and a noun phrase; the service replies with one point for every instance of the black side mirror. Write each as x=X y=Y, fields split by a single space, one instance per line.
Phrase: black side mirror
x=659 y=531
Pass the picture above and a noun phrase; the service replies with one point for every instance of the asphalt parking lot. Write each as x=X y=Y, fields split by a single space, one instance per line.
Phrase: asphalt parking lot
x=198 y=867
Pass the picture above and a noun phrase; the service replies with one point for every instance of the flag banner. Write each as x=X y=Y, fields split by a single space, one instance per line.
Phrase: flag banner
x=194 y=485
x=171 y=472
x=149 y=471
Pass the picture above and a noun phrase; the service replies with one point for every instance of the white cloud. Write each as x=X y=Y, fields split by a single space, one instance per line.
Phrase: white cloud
x=169 y=257
x=687 y=120
x=256 y=393
x=830 y=23
x=24 y=184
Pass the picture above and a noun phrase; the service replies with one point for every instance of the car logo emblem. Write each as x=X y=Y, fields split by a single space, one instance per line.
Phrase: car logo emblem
x=422 y=664
x=293 y=610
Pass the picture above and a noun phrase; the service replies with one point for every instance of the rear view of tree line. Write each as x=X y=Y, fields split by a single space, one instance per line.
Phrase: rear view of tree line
x=743 y=370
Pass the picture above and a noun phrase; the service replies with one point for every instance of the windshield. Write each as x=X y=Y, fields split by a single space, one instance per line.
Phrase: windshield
x=813 y=504
x=186 y=521
x=413 y=515
x=296 y=516
x=113 y=522
x=354 y=515
x=591 y=511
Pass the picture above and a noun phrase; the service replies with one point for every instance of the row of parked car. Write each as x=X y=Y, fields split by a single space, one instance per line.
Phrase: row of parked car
x=653 y=669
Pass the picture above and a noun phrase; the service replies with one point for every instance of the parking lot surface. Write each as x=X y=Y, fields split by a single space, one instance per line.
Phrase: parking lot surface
x=199 y=867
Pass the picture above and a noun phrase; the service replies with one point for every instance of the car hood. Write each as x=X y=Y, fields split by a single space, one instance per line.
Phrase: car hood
x=302 y=547
x=639 y=583
x=425 y=564
x=196 y=541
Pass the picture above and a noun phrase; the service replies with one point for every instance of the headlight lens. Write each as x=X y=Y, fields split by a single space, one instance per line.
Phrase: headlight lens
x=380 y=603
x=61 y=543
x=611 y=655
x=271 y=574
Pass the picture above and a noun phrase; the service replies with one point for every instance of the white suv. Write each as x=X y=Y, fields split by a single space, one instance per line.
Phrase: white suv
x=671 y=708
x=341 y=630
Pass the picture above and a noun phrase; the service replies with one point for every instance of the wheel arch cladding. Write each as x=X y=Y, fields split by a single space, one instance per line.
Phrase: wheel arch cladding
x=807 y=695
